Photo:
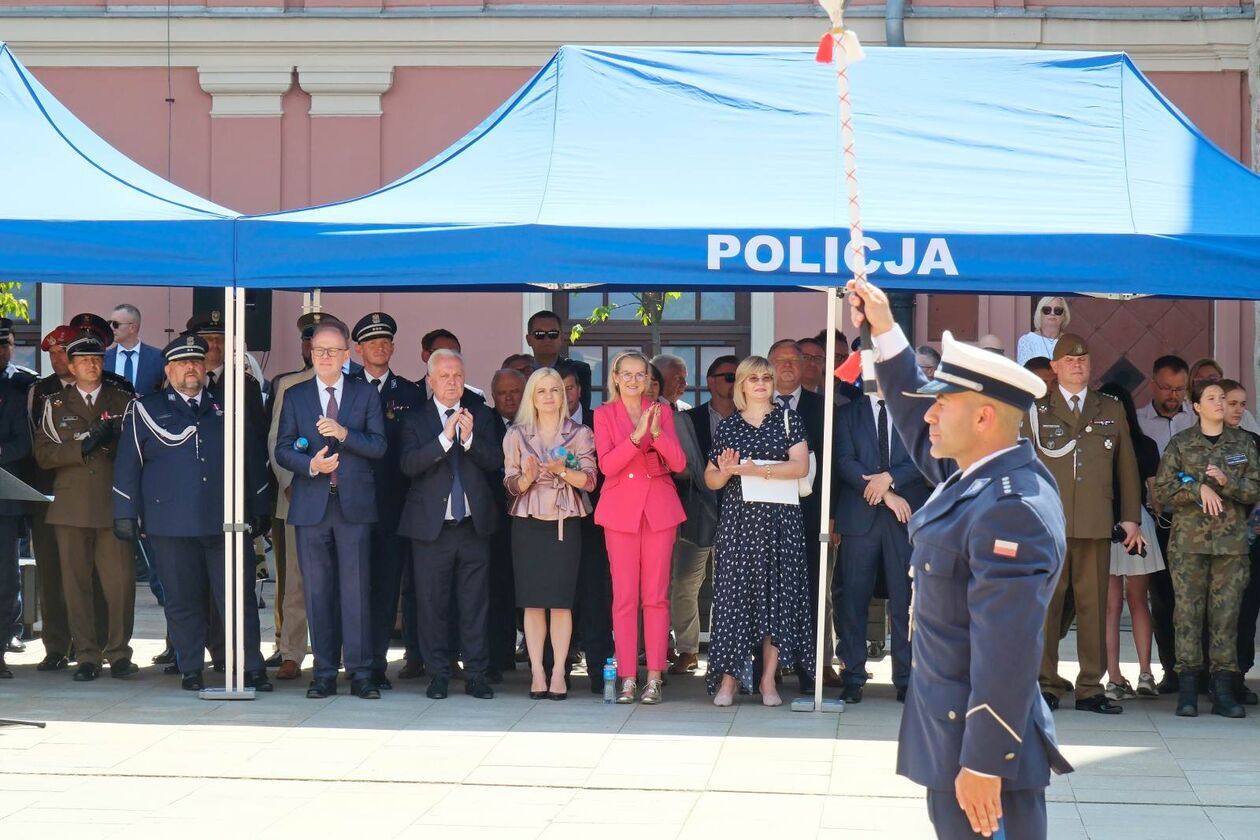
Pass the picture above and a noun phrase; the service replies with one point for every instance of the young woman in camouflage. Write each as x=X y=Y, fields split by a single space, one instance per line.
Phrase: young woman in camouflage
x=1210 y=476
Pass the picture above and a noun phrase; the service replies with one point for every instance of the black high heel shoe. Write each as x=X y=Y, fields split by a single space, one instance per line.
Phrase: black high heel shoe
x=539 y=695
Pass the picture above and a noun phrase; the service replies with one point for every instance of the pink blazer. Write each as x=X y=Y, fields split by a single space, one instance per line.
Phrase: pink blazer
x=638 y=482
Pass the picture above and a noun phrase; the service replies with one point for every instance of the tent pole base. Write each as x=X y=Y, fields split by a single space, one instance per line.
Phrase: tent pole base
x=834 y=705
x=225 y=694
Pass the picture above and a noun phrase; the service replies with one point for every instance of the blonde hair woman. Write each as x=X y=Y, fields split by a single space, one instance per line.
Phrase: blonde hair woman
x=640 y=511
x=760 y=578
x=549 y=465
x=1050 y=320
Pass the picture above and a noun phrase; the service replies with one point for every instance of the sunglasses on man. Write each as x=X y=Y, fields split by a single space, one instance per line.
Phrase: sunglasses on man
x=548 y=334
x=113 y=325
x=725 y=377
x=1052 y=310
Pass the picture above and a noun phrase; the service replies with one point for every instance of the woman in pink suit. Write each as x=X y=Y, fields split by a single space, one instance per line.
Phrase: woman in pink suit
x=639 y=511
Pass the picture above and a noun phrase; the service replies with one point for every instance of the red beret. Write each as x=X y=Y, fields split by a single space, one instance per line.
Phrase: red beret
x=62 y=335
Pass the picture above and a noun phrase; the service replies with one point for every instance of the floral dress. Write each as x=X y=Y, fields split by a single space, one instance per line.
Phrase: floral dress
x=760 y=583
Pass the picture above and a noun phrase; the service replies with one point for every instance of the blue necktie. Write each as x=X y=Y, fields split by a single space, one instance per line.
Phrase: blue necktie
x=129 y=369
x=458 y=511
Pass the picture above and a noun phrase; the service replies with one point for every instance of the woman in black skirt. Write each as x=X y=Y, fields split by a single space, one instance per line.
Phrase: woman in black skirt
x=549 y=465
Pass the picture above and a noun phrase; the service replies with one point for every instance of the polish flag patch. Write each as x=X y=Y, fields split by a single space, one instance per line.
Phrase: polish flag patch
x=1005 y=548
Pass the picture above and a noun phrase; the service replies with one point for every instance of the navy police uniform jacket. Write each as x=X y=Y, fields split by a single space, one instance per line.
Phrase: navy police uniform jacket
x=987 y=552
x=168 y=472
x=399 y=397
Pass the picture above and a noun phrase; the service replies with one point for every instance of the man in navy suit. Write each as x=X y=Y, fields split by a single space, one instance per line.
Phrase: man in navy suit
x=450 y=451
x=168 y=483
x=140 y=364
x=989 y=546
x=880 y=487
x=331 y=429
x=374 y=335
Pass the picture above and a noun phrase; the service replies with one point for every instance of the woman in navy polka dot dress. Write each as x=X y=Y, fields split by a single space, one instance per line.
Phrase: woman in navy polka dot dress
x=760 y=584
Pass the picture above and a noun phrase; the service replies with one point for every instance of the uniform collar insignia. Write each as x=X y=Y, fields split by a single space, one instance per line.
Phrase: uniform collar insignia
x=976 y=487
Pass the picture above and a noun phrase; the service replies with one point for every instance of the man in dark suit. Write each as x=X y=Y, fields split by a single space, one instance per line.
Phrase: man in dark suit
x=506 y=388
x=693 y=552
x=450 y=451
x=331 y=429
x=140 y=364
x=15 y=445
x=593 y=604
x=545 y=335
x=786 y=358
x=374 y=335
x=880 y=487
x=168 y=481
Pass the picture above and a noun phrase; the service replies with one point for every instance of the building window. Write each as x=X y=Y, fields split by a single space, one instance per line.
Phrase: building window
x=698 y=327
x=27 y=335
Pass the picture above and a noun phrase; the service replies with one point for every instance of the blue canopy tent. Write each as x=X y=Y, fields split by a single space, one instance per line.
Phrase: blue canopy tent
x=981 y=171
x=73 y=209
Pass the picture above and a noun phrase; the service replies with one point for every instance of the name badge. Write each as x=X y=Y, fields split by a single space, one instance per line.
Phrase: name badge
x=1236 y=458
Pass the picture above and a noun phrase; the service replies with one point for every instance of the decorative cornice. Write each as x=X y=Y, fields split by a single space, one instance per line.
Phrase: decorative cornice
x=246 y=91
x=345 y=91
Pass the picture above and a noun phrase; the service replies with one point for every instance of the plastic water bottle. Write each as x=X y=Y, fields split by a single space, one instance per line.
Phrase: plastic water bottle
x=610 y=680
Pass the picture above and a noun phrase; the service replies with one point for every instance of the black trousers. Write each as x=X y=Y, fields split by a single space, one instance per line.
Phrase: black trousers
x=1163 y=600
x=10 y=580
x=594 y=602
x=191 y=569
x=501 y=615
x=1023 y=815
x=458 y=563
x=1248 y=614
x=390 y=555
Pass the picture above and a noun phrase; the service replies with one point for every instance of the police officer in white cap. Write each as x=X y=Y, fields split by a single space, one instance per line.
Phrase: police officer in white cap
x=988 y=549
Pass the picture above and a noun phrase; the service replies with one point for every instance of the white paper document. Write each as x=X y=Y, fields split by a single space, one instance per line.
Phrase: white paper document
x=779 y=491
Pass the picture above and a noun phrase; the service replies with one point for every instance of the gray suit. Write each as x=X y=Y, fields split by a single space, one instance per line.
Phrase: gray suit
x=694 y=549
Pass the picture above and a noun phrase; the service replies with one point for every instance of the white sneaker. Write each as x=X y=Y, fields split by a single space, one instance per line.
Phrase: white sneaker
x=1119 y=691
x=1146 y=686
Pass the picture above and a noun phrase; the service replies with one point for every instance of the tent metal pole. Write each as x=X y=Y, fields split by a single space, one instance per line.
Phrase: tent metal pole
x=240 y=591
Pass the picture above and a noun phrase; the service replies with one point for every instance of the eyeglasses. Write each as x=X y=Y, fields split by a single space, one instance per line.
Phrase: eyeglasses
x=551 y=334
x=326 y=352
x=113 y=325
x=1170 y=389
x=627 y=376
x=725 y=377
x=809 y=357
x=1052 y=310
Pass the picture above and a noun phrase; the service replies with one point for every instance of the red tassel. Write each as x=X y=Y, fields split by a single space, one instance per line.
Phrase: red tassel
x=851 y=369
x=826 y=47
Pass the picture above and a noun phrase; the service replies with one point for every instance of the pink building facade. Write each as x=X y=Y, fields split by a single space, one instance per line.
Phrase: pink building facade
x=263 y=105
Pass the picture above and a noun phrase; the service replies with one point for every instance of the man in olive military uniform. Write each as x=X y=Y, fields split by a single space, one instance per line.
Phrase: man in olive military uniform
x=1082 y=437
x=168 y=480
x=390 y=553
x=76 y=438
x=988 y=549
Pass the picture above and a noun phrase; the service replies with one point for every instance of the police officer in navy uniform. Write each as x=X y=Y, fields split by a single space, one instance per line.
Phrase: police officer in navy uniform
x=168 y=482
x=988 y=549
x=374 y=335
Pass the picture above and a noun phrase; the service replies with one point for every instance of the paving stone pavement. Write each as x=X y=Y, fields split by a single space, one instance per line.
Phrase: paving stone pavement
x=139 y=758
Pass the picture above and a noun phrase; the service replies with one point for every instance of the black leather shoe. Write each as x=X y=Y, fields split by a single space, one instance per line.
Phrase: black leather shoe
x=52 y=662
x=171 y=669
x=192 y=681
x=901 y=695
x=851 y=693
x=539 y=695
x=479 y=688
x=123 y=668
x=258 y=681
x=15 y=645
x=381 y=681
x=412 y=669
x=365 y=690
x=87 y=673
x=274 y=660
x=166 y=657
x=1051 y=700
x=320 y=689
x=1098 y=704
x=1170 y=684
x=438 y=688
x=1243 y=694
x=5 y=673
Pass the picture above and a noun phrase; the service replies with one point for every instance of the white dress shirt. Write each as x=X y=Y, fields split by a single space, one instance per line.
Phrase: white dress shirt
x=1080 y=397
x=447 y=443
x=1157 y=427
x=577 y=416
x=120 y=361
x=794 y=399
x=339 y=388
x=93 y=395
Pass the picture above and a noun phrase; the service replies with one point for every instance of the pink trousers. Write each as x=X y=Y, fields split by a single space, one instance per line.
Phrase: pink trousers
x=640 y=567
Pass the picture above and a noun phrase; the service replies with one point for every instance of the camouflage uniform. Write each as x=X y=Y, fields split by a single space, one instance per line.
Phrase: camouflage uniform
x=1208 y=554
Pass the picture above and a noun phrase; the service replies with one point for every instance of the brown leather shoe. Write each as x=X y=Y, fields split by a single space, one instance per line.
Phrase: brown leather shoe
x=288 y=670
x=686 y=663
x=831 y=679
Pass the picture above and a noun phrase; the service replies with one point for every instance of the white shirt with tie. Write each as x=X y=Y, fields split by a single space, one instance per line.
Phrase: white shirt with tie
x=338 y=390
x=447 y=443
x=120 y=362
x=378 y=381
x=89 y=397
x=793 y=399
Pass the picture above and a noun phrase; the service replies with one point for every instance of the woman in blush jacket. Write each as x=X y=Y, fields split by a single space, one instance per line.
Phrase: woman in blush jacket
x=639 y=510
